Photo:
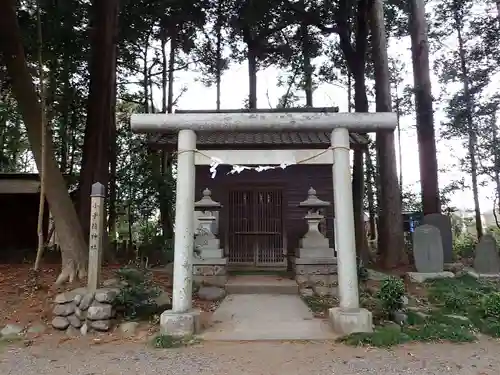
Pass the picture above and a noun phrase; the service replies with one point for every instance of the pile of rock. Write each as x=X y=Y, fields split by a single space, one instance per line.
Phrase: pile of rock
x=82 y=310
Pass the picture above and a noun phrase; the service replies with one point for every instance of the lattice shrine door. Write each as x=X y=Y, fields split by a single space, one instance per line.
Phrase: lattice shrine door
x=255 y=227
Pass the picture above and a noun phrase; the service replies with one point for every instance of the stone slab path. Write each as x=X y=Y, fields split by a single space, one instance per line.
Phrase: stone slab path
x=254 y=317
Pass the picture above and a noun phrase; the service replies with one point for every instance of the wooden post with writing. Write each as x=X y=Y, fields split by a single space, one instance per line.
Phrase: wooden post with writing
x=96 y=235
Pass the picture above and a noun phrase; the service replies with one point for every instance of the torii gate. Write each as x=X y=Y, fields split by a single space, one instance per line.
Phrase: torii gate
x=348 y=317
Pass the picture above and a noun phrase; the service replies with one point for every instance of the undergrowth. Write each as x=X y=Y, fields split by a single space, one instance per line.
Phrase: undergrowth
x=320 y=304
x=460 y=308
x=136 y=299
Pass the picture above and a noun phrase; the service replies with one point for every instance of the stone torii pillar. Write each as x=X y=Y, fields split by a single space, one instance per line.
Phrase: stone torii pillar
x=346 y=318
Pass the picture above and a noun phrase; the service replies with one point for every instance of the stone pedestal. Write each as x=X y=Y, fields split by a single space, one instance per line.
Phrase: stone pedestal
x=209 y=264
x=310 y=273
x=180 y=324
x=210 y=271
x=315 y=263
x=346 y=321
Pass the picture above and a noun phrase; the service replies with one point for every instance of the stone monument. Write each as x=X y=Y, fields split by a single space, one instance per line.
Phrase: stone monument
x=315 y=261
x=487 y=260
x=428 y=254
x=96 y=234
x=209 y=263
x=443 y=223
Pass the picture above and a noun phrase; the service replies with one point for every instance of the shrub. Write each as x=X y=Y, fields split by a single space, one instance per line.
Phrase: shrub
x=137 y=297
x=491 y=305
x=391 y=294
x=463 y=245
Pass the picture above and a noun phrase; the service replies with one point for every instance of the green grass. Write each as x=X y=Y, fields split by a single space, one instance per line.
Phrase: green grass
x=463 y=296
x=167 y=341
x=456 y=314
x=435 y=328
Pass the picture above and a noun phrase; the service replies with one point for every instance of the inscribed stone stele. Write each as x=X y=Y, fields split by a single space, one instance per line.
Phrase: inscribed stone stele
x=428 y=249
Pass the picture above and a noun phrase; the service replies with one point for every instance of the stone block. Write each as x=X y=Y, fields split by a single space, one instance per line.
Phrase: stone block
x=315 y=269
x=421 y=277
x=211 y=293
x=207 y=269
x=473 y=273
x=11 y=331
x=86 y=301
x=60 y=322
x=347 y=321
x=315 y=253
x=106 y=295
x=302 y=280
x=428 y=249
x=64 y=309
x=487 y=260
x=67 y=297
x=101 y=325
x=210 y=253
x=210 y=280
x=74 y=321
x=100 y=312
x=180 y=324
x=443 y=224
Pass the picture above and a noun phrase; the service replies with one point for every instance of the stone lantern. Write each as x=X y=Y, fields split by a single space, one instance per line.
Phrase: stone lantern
x=209 y=265
x=205 y=240
x=314 y=244
x=315 y=263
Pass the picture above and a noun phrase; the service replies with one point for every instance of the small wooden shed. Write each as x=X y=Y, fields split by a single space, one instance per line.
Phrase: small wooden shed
x=19 y=203
x=260 y=222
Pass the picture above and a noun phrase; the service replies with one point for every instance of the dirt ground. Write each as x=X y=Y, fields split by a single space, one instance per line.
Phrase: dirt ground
x=109 y=354
x=256 y=358
x=20 y=305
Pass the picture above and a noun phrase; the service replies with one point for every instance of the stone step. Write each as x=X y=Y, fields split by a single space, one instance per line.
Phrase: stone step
x=250 y=284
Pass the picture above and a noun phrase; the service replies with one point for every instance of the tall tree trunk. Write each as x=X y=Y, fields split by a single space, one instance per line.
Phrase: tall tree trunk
x=391 y=241
x=101 y=110
x=471 y=128
x=252 y=76
x=358 y=170
x=349 y=92
x=112 y=185
x=166 y=159
x=425 y=115
x=171 y=70
x=145 y=83
x=72 y=242
x=164 y=70
x=356 y=62
x=63 y=133
x=73 y=138
x=308 y=69
x=218 y=52
x=112 y=177
x=496 y=158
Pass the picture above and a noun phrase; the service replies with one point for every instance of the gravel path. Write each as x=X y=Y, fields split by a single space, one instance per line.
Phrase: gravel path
x=257 y=358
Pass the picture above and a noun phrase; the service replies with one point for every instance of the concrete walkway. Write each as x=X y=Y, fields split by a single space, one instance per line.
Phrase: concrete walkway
x=253 y=317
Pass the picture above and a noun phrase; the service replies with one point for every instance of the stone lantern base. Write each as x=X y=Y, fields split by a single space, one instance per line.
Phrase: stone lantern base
x=210 y=271
x=319 y=274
